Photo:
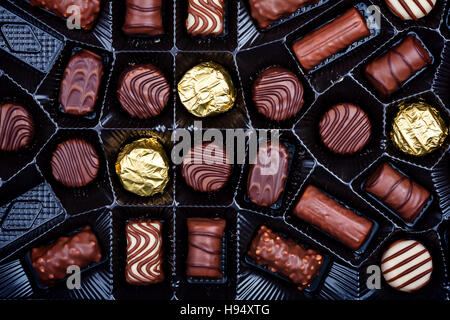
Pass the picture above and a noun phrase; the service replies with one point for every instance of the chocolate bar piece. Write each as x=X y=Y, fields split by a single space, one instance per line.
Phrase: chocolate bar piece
x=205 y=17
x=318 y=209
x=205 y=247
x=81 y=83
x=144 y=252
x=388 y=72
x=268 y=175
x=328 y=40
x=267 y=12
x=51 y=261
x=398 y=192
x=143 y=17
x=88 y=10
x=16 y=127
x=285 y=257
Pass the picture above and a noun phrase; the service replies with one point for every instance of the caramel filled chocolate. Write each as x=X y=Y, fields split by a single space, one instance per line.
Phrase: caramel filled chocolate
x=205 y=18
x=268 y=175
x=390 y=71
x=328 y=40
x=398 y=192
x=205 y=247
x=51 y=261
x=16 y=127
x=143 y=17
x=318 y=209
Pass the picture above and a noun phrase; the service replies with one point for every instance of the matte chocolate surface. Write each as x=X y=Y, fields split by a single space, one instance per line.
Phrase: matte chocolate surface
x=268 y=175
x=278 y=94
x=345 y=128
x=206 y=167
x=89 y=10
x=267 y=12
x=318 y=209
x=398 y=192
x=16 y=127
x=328 y=40
x=410 y=9
x=143 y=91
x=286 y=257
x=81 y=83
x=144 y=252
x=75 y=163
x=51 y=261
x=205 y=247
x=388 y=72
x=205 y=17
x=143 y=17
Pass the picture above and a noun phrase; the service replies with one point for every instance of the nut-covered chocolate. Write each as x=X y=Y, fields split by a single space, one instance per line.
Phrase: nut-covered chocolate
x=16 y=127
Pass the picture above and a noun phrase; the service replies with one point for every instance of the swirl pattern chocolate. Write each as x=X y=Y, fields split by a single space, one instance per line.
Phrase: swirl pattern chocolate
x=268 y=175
x=89 y=10
x=143 y=17
x=278 y=94
x=81 y=83
x=205 y=247
x=390 y=71
x=398 y=192
x=51 y=261
x=205 y=17
x=144 y=252
x=407 y=265
x=143 y=91
x=16 y=127
x=75 y=163
x=410 y=9
x=345 y=128
x=286 y=257
x=206 y=167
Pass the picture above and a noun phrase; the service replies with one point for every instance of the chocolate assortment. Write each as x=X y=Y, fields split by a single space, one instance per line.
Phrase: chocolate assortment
x=92 y=177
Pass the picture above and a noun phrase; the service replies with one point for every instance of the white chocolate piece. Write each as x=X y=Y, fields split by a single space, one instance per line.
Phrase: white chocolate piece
x=410 y=9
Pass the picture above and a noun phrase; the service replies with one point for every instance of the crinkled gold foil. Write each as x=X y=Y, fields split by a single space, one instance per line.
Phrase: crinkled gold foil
x=143 y=167
x=207 y=89
x=418 y=128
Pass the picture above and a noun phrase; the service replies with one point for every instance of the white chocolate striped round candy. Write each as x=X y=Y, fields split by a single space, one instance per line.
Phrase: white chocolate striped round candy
x=410 y=9
x=407 y=265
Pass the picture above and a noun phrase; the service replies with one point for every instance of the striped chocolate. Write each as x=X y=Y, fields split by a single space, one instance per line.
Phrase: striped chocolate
x=143 y=17
x=205 y=17
x=410 y=9
x=16 y=127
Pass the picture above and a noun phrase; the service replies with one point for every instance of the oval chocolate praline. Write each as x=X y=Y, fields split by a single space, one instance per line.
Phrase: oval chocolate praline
x=75 y=163
x=143 y=91
x=345 y=129
x=205 y=167
x=278 y=94
x=16 y=127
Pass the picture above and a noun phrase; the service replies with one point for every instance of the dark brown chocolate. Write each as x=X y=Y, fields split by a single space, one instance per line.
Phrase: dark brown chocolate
x=143 y=91
x=75 y=163
x=388 y=72
x=286 y=257
x=51 y=261
x=398 y=192
x=345 y=128
x=81 y=83
x=205 y=247
x=205 y=17
x=16 y=127
x=318 y=209
x=268 y=175
x=328 y=40
x=143 y=17
x=278 y=94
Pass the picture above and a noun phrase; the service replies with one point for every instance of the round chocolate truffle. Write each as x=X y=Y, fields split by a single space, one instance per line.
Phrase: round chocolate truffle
x=407 y=265
x=143 y=91
x=410 y=9
x=206 y=167
x=345 y=129
x=278 y=94
x=75 y=163
x=16 y=127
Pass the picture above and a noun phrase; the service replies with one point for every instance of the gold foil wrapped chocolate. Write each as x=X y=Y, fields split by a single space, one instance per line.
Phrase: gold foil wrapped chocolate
x=143 y=167
x=418 y=128
x=207 y=89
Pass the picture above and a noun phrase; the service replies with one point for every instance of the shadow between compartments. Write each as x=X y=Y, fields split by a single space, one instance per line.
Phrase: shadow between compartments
x=205 y=289
x=157 y=291
x=441 y=85
x=96 y=194
x=441 y=179
x=344 y=166
x=114 y=116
